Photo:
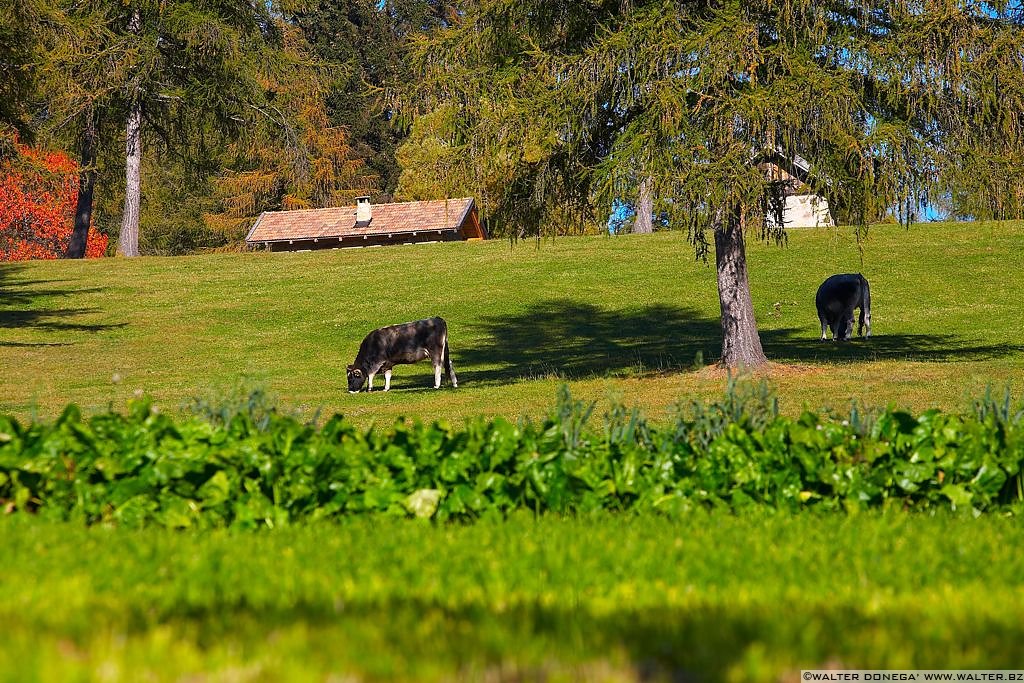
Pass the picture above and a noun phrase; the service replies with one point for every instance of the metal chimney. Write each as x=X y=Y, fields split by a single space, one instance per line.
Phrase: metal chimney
x=364 y=211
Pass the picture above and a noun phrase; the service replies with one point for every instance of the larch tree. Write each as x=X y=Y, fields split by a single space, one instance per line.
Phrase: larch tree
x=78 y=76
x=173 y=70
x=367 y=41
x=29 y=29
x=21 y=23
x=485 y=124
x=892 y=102
x=294 y=156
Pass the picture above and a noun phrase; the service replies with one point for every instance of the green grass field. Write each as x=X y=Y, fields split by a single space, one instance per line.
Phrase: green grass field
x=704 y=597
x=626 y=315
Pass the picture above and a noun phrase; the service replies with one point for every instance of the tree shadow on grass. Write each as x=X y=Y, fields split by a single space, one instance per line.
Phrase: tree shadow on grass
x=31 y=345
x=566 y=339
x=19 y=306
x=803 y=346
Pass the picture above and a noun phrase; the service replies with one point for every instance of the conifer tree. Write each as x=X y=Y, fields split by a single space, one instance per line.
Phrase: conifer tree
x=20 y=48
x=171 y=71
x=293 y=157
x=368 y=42
x=891 y=102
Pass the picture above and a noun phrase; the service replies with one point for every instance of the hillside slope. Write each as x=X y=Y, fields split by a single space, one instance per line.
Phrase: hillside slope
x=634 y=315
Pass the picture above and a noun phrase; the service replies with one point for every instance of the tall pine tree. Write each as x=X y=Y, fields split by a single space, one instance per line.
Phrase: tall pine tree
x=368 y=42
x=124 y=72
x=295 y=157
x=21 y=23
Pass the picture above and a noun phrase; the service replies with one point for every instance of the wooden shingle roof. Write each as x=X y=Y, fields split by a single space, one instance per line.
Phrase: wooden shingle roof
x=339 y=222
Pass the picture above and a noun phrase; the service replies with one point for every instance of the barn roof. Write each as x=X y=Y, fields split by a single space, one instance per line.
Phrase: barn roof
x=339 y=222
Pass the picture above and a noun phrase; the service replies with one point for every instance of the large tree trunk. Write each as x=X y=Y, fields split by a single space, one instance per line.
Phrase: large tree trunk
x=86 y=185
x=643 y=222
x=741 y=347
x=128 y=241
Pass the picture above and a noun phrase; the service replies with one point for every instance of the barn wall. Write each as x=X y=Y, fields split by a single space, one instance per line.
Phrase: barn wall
x=807 y=211
x=368 y=241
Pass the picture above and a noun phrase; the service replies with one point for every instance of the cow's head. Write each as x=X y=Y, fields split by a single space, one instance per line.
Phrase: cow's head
x=356 y=378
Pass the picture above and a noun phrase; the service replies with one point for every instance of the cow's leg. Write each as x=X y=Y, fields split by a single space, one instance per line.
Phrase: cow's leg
x=387 y=379
x=450 y=371
x=834 y=326
x=824 y=326
x=864 y=324
x=372 y=373
x=846 y=325
x=437 y=375
x=448 y=366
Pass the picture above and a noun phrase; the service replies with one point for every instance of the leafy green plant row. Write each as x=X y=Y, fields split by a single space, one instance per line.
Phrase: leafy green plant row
x=255 y=467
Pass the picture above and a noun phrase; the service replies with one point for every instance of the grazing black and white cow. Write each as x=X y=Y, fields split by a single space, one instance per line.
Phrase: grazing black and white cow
x=389 y=346
x=837 y=297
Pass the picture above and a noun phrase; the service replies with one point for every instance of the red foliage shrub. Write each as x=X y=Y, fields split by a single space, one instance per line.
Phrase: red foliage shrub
x=38 y=191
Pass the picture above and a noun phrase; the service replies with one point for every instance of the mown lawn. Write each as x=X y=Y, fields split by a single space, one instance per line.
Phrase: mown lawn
x=706 y=597
x=633 y=315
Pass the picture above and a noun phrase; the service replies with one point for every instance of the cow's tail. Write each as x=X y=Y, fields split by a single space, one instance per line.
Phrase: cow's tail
x=864 y=324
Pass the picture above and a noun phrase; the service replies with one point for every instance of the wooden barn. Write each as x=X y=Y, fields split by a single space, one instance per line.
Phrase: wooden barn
x=366 y=224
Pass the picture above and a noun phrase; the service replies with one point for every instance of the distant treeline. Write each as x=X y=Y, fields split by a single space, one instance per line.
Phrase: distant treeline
x=191 y=118
x=236 y=108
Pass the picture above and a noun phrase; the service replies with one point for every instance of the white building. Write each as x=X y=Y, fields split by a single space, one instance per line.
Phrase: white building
x=804 y=209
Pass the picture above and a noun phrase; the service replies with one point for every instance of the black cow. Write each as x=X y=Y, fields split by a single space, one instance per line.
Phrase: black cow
x=389 y=346
x=837 y=297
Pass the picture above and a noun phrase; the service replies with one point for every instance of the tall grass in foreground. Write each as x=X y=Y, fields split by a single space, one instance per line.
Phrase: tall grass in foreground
x=603 y=597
